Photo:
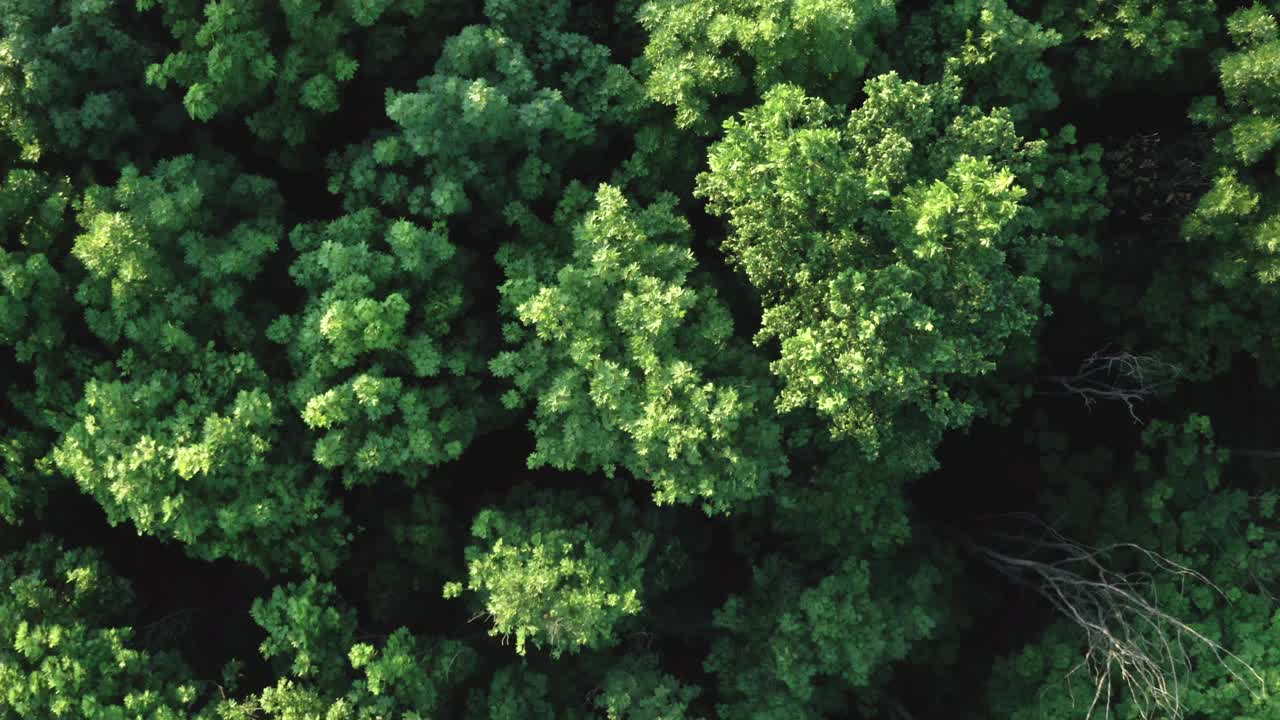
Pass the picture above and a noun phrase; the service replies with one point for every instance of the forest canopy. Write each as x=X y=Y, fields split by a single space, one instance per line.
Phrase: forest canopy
x=639 y=359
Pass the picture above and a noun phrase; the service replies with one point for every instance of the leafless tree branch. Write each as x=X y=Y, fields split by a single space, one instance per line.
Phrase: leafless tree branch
x=170 y=628
x=1129 y=635
x=1263 y=454
x=1118 y=376
x=898 y=709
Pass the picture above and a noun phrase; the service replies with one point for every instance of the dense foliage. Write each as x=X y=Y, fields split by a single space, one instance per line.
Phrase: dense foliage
x=639 y=360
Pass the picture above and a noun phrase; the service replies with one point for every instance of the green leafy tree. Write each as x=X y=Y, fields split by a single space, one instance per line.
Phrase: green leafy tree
x=637 y=689
x=306 y=631
x=887 y=251
x=1183 y=572
x=182 y=434
x=787 y=650
x=631 y=362
x=705 y=52
x=328 y=672
x=404 y=678
x=561 y=572
x=70 y=85
x=514 y=693
x=413 y=547
x=384 y=374
x=496 y=121
x=1127 y=42
x=34 y=212
x=65 y=653
x=283 y=65
x=847 y=504
x=632 y=688
x=1224 y=278
x=997 y=54
x=35 y=306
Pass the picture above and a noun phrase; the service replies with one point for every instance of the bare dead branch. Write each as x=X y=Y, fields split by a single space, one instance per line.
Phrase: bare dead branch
x=898 y=709
x=1118 y=376
x=170 y=628
x=1129 y=635
x=1263 y=454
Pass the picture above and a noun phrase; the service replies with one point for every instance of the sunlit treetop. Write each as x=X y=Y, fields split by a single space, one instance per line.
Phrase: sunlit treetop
x=705 y=57
x=560 y=573
x=183 y=434
x=386 y=364
x=629 y=357
x=888 y=252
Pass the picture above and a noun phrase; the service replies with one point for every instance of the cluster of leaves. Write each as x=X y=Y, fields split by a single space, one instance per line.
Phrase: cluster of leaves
x=281 y=65
x=1129 y=41
x=382 y=372
x=63 y=653
x=708 y=51
x=997 y=54
x=632 y=689
x=788 y=651
x=631 y=362
x=561 y=572
x=498 y=120
x=69 y=80
x=1232 y=236
x=180 y=432
x=727 y=279
x=34 y=302
x=312 y=638
x=886 y=253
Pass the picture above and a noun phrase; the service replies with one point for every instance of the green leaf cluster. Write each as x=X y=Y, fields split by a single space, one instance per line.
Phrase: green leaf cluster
x=887 y=252
x=182 y=433
x=69 y=73
x=561 y=573
x=495 y=121
x=996 y=53
x=788 y=651
x=703 y=52
x=631 y=362
x=385 y=370
x=1231 y=234
x=64 y=653
x=283 y=65
x=326 y=671
x=1130 y=41
x=1184 y=507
